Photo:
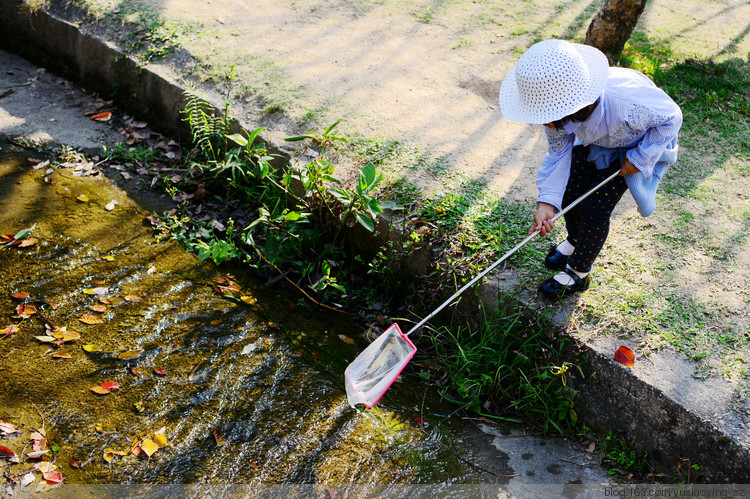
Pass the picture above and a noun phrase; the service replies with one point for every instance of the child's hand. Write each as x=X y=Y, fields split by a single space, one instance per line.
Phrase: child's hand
x=628 y=167
x=542 y=222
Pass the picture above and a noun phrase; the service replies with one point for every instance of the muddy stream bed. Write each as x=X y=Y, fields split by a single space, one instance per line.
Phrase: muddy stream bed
x=244 y=390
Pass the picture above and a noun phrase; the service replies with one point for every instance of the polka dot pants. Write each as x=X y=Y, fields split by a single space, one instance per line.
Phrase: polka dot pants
x=588 y=223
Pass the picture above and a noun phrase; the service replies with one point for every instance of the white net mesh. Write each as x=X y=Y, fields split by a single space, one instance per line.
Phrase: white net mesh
x=377 y=367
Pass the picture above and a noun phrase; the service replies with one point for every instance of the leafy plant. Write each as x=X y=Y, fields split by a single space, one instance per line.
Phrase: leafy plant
x=623 y=456
x=360 y=203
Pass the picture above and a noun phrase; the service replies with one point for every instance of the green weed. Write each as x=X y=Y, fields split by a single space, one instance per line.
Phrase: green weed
x=504 y=368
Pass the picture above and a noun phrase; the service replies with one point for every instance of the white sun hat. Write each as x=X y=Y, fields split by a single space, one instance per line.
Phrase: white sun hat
x=552 y=80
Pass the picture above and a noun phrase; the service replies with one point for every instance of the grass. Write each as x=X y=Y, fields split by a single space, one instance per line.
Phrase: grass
x=506 y=368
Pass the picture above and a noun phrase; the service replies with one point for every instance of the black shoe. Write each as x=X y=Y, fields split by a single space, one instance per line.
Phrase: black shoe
x=555 y=260
x=553 y=289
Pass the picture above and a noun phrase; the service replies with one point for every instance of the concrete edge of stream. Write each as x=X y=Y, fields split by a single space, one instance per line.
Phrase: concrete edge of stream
x=659 y=404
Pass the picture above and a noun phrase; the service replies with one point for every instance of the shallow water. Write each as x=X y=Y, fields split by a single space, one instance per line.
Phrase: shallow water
x=252 y=391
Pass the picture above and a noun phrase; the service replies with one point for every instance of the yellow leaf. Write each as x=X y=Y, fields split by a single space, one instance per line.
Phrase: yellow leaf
x=92 y=347
x=65 y=336
x=149 y=446
x=130 y=354
x=109 y=258
x=160 y=440
x=250 y=300
x=96 y=291
x=62 y=355
x=83 y=198
x=99 y=390
x=346 y=339
x=90 y=319
x=109 y=455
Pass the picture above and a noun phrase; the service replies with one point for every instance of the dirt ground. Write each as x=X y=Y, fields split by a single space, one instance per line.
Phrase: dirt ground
x=425 y=73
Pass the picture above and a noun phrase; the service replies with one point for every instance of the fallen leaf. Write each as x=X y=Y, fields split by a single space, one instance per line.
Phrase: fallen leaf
x=29 y=241
x=253 y=464
x=346 y=339
x=133 y=298
x=8 y=330
x=149 y=447
x=161 y=440
x=44 y=467
x=135 y=372
x=98 y=308
x=66 y=336
x=250 y=300
x=83 y=198
x=625 y=356
x=96 y=291
x=108 y=258
x=46 y=339
x=219 y=436
x=110 y=385
x=90 y=319
x=75 y=464
x=53 y=477
x=102 y=117
x=36 y=454
x=105 y=300
x=25 y=311
x=7 y=428
x=160 y=372
x=92 y=347
x=99 y=390
x=109 y=455
x=21 y=295
x=130 y=354
x=106 y=429
x=61 y=355
x=6 y=453
x=27 y=480
x=332 y=494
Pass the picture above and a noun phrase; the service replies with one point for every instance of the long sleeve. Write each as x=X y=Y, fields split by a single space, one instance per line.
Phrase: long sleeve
x=661 y=133
x=552 y=177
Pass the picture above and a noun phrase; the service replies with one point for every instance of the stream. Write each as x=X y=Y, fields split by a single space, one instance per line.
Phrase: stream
x=219 y=378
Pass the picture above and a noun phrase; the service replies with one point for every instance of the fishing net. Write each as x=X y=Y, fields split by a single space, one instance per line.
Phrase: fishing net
x=374 y=370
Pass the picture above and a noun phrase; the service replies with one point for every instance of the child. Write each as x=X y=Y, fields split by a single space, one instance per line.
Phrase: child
x=597 y=120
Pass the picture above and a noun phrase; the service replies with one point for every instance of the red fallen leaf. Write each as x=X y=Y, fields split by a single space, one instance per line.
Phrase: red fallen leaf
x=625 y=356
x=135 y=372
x=110 y=385
x=420 y=421
x=332 y=494
x=9 y=330
x=6 y=453
x=21 y=295
x=52 y=477
x=103 y=117
x=160 y=372
x=253 y=464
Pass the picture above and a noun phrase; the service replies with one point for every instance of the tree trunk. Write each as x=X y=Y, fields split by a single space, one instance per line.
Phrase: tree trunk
x=613 y=25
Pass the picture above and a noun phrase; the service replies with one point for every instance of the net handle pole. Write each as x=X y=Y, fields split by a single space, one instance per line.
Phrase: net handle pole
x=508 y=254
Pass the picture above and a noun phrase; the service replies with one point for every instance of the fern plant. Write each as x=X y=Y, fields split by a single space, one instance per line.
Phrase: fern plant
x=210 y=132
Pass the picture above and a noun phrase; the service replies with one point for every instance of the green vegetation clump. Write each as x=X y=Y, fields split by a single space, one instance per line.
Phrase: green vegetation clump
x=507 y=368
